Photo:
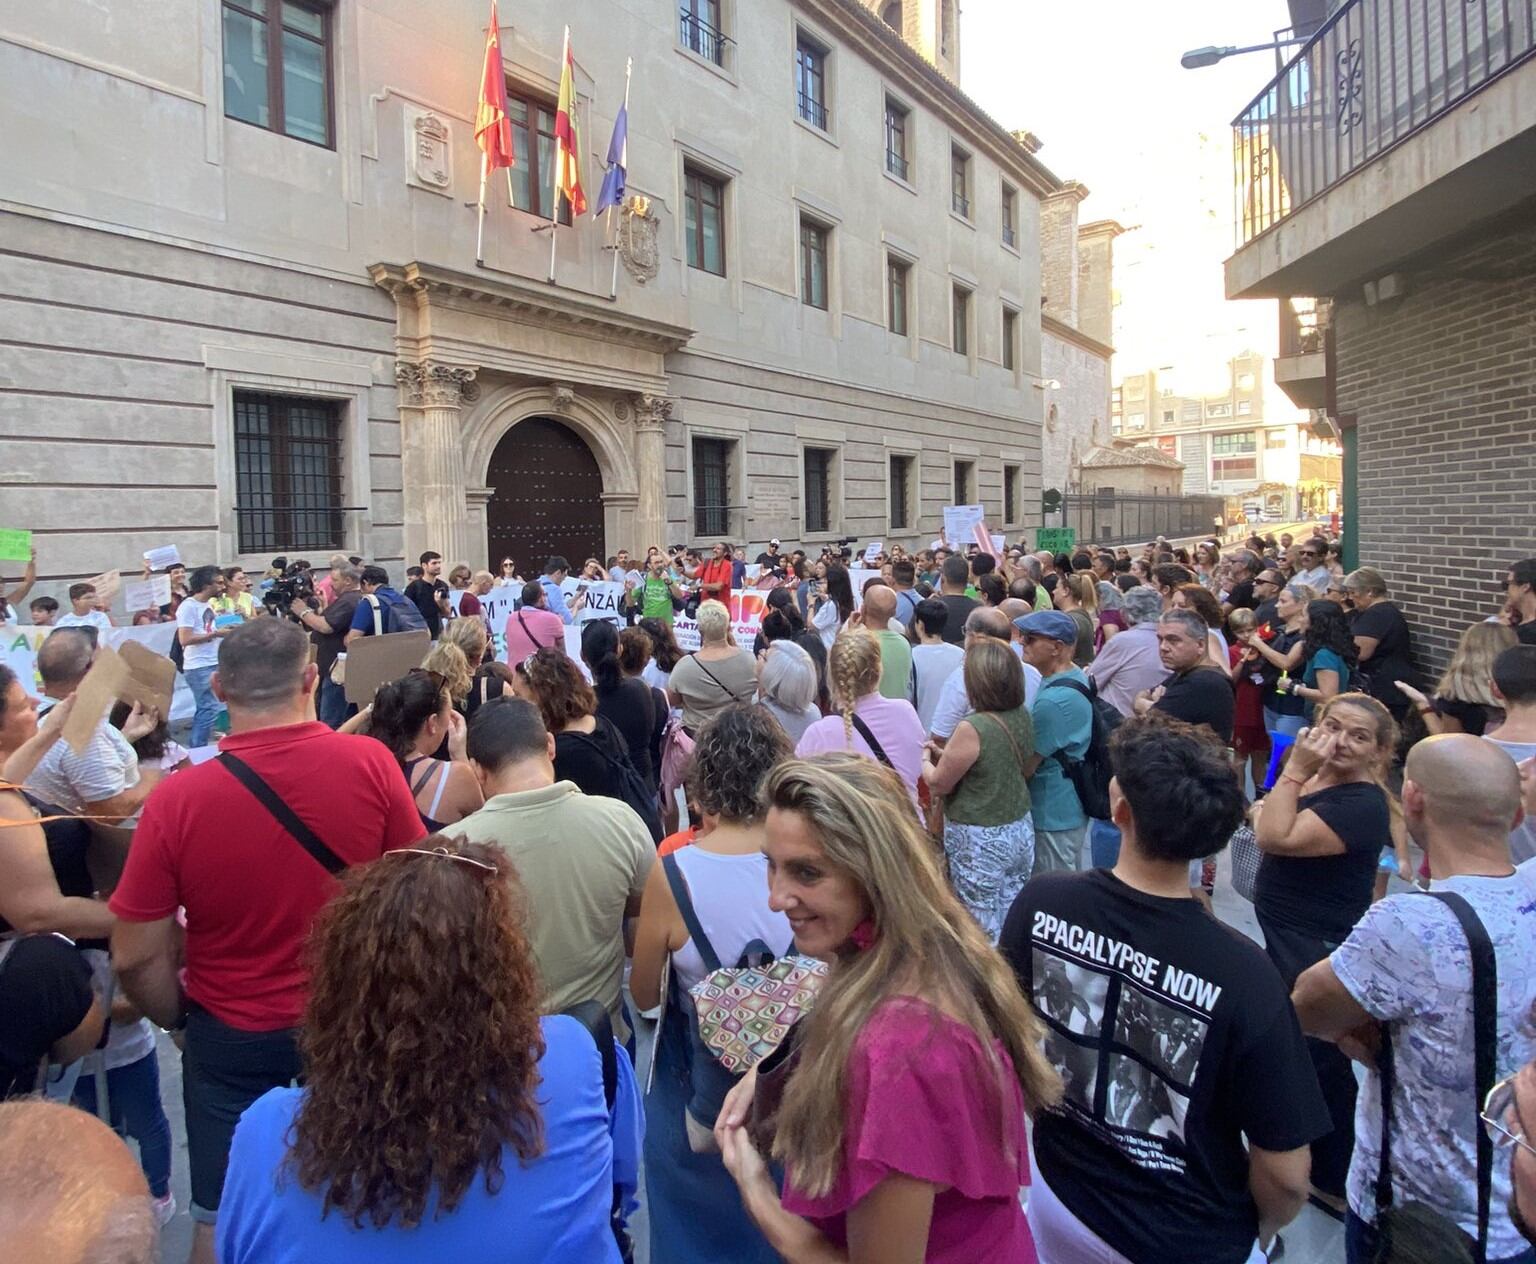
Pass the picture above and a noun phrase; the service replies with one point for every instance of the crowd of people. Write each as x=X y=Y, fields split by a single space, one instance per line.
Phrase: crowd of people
x=912 y=895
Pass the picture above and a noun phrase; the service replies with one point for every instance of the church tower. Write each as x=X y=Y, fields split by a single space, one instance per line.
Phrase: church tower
x=932 y=27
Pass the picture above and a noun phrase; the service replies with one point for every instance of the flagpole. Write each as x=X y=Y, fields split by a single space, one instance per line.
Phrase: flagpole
x=554 y=222
x=613 y=288
x=480 y=225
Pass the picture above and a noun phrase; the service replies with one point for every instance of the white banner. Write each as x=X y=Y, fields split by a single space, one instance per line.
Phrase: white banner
x=19 y=646
x=747 y=606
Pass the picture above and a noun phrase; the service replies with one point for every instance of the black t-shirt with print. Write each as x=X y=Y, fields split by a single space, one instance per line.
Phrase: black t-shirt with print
x=1175 y=1038
x=1202 y=696
x=1389 y=662
x=1326 y=895
x=45 y=993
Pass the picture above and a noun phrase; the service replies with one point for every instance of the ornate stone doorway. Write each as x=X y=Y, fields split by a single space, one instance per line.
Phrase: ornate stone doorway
x=546 y=497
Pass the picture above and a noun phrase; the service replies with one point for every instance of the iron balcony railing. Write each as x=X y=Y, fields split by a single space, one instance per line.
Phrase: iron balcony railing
x=896 y=163
x=811 y=110
x=700 y=37
x=1374 y=74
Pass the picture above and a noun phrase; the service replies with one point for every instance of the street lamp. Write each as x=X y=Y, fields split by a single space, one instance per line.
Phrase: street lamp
x=1198 y=58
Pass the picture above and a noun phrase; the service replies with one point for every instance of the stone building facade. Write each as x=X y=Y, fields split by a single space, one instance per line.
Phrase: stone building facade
x=249 y=319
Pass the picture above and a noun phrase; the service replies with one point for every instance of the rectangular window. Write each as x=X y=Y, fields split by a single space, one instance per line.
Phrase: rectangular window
x=813 y=264
x=960 y=332
x=959 y=181
x=897 y=275
x=277 y=67
x=1244 y=407
x=711 y=487
x=1012 y=478
x=533 y=179
x=1218 y=410
x=1234 y=444
x=1010 y=338
x=699 y=29
x=1234 y=468
x=704 y=221
x=896 y=139
x=287 y=473
x=965 y=482
x=1137 y=421
x=900 y=474
x=1010 y=199
x=818 y=489
x=1274 y=439
x=1167 y=416
x=811 y=82
x=1114 y=425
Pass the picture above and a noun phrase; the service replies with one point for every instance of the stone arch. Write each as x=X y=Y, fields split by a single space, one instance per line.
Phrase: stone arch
x=499 y=410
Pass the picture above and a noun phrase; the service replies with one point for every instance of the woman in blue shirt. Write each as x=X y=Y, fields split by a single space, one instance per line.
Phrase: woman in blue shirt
x=442 y=1118
x=1328 y=653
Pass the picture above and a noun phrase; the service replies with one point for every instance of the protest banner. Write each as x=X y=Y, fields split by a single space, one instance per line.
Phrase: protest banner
x=15 y=546
x=1055 y=539
x=19 y=645
x=747 y=607
x=960 y=523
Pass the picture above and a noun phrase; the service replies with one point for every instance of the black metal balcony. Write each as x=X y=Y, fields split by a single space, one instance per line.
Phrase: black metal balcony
x=811 y=110
x=1374 y=74
x=700 y=37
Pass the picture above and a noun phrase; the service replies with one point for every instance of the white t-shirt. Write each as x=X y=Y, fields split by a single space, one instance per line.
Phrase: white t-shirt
x=1522 y=841
x=955 y=703
x=198 y=616
x=106 y=767
x=932 y=665
x=1407 y=961
x=90 y=619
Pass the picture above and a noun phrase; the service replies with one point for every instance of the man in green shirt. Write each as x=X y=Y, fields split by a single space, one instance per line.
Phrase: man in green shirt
x=655 y=593
x=895 y=649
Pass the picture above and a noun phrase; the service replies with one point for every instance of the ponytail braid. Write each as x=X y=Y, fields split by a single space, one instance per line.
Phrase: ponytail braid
x=854 y=666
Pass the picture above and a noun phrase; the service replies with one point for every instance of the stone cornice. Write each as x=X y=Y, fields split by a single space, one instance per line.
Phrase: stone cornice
x=518 y=299
x=894 y=56
x=1060 y=329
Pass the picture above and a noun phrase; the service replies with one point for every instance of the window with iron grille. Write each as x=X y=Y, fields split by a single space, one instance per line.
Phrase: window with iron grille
x=711 y=486
x=896 y=139
x=813 y=264
x=704 y=221
x=277 y=67
x=288 y=486
x=818 y=489
x=699 y=29
x=1010 y=198
x=811 y=82
x=901 y=492
x=961 y=323
x=965 y=482
x=1010 y=337
x=959 y=181
x=896 y=276
x=1012 y=475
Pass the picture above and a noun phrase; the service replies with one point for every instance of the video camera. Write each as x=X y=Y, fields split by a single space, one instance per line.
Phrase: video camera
x=295 y=584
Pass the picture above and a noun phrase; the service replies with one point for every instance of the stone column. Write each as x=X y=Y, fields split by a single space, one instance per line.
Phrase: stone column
x=432 y=468
x=651 y=413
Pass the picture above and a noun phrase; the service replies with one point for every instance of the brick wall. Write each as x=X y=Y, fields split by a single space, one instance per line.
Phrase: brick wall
x=1058 y=255
x=1443 y=385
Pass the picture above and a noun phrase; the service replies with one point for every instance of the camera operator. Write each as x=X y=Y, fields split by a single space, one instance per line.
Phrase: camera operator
x=328 y=631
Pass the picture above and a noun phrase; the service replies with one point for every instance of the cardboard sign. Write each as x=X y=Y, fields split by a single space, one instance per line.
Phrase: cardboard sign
x=151 y=680
x=148 y=594
x=106 y=584
x=960 y=523
x=94 y=697
x=376 y=660
x=1055 y=539
x=162 y=558
x=15 y=546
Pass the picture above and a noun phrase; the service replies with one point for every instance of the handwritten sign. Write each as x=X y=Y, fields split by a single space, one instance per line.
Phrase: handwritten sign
x=106 y=585
x=149 y=594
x=163 y=558
x=1055 y=539
x=15 y=546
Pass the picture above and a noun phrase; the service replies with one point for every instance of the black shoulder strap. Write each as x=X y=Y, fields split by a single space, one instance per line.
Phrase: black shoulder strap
x=869 y=737
x=594 y=1018
x=705 y=949
x=700 y=664
x=282 y=813
x=1485 y=987
x=1086 y=690
x=537 y=644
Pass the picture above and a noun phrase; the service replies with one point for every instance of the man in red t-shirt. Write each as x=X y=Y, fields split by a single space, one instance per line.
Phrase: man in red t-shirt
x=715 y=575
x=250 y=888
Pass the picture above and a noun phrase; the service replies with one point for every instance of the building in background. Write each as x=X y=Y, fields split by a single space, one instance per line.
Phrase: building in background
x=1386 y=195
x=1280 y=466
x=247 y=318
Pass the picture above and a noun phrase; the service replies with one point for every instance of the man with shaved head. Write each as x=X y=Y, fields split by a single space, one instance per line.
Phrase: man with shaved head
x=1408 y=965
x=70 y=1191
x=878 y=614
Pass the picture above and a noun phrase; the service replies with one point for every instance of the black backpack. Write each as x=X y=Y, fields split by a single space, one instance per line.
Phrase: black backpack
x=628 y=785
x=1090 y=775
x=594 y=1017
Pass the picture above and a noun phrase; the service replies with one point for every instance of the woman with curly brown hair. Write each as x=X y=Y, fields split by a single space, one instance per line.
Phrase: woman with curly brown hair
x=886 y=730
x=439 y=1112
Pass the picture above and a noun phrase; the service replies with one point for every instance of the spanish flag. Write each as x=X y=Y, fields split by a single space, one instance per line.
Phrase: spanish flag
x=568 y=137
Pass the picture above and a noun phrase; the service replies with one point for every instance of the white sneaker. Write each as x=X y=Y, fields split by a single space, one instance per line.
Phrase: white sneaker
x=165 y=1208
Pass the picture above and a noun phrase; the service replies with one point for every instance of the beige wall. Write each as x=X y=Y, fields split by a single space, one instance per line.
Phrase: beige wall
x=178 y=254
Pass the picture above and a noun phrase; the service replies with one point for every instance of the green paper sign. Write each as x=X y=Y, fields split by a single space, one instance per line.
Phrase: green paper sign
x=15 y=546
x=1055 y=539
